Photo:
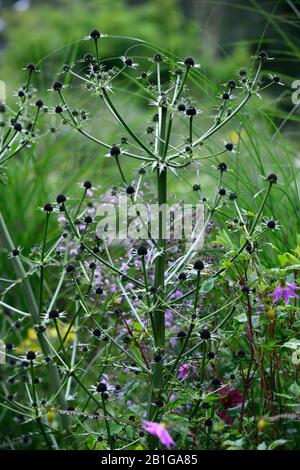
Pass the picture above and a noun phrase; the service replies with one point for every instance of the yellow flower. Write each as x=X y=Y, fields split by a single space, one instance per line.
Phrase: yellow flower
x=31 y=342
x=261 y=425
x=51 y=413
x=271 y=313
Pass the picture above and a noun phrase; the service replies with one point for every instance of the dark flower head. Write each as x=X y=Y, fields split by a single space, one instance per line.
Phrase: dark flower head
x=191 y=111
x=189 y=61
x=87 y=184
x=229 y=146
x=199 y=265
x=231 y=84
x=181 y=107
x=39 y=103
x=157 y=57
x=57 y=86
x=88 y=57
x=96 y=332
x=48 y=207
x=61 y=198
x=115 y=151
x=53 y=314
x=95 y=34
x=88 y=219
x=272 y=178
x=130 y=190
x=182 y=277
x=181 y=334
x=271 y=224
x=263 y=55
x=70 y=268
x=17 y=127
x=142 y=250
x=216 y=382
x=128 y=61
x=58 y=109
x=15 y=252
x=205 y=334
x=150 y=129
x=30 y=356
x=101 y=387
x=31 y=67
x=222 y=192
x=222 y=166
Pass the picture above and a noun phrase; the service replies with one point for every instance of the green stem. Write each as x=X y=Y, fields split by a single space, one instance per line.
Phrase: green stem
x=119 y=118
x=54 y=378
x=110 y=441
x=60 y=340
x=191 y=130
x=37 y=419
x=42 y=264
x=80 y=204
x=159 y=312
x=120 y=170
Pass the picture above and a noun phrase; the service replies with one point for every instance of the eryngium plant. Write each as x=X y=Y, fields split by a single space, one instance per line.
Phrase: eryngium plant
x=131 y=332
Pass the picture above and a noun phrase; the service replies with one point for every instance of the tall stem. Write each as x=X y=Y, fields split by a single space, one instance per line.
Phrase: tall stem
x=55 y=381
x=159 y=312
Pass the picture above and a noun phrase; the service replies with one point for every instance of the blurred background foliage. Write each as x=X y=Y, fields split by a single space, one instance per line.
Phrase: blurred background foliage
x=221 y=35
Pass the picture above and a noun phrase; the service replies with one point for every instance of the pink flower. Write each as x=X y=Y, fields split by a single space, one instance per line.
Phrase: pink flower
x=160 y=432
x=286 y=292
x=184 y=371
x=230 y=399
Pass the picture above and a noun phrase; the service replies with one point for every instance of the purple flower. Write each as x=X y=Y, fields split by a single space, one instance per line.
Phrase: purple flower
x=177 y=294
x=230 y=399
x=286 y=292
x=160 y=432
x=184 y=371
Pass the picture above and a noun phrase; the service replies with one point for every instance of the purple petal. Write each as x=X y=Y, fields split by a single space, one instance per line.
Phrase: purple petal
x=277 y=293
x=293 y=286
x=286 y=296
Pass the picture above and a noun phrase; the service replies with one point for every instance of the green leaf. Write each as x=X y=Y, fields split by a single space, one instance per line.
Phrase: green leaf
x=207 y=286
x=292 y=344
x=262 y=446
x=278 y=442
